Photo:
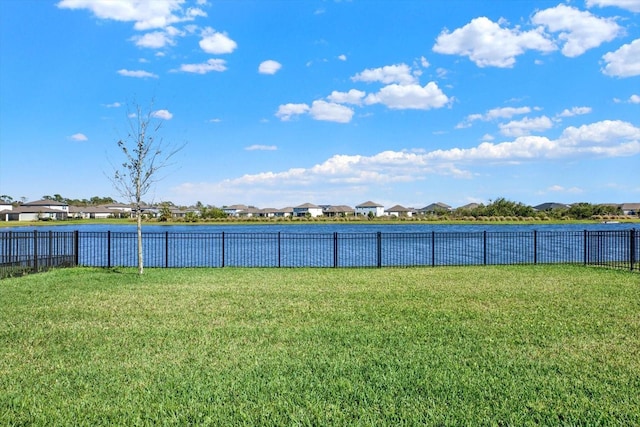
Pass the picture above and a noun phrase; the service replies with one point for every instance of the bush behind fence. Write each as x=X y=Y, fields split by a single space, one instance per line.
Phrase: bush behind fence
x=22 y=252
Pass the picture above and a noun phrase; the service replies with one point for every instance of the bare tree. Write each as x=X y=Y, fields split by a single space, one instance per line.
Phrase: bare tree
x=144 y=155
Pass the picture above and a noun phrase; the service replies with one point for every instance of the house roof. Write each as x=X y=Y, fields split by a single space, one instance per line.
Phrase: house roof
x=369 y=204
x=45 y=202
x=550 y=205
x=307 y=206
x=339 y=209
x=436 y=206
x=398 y=208
x=469 y=206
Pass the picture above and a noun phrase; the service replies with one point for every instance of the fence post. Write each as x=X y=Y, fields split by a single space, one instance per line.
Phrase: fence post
x=484 y=246
x=223 y=249
x=585 y=246
x=335 y=250
x=379 y=248
x=35 y=250
x=535 y=246
x=108 y=248
x=76 y=247
x=433 y=248
x=279 y=252
x=632 y=248
x=166 y=249
x=50 y=254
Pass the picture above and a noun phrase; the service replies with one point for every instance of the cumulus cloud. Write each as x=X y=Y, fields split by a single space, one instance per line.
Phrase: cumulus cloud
x=525 y=126
x=399 y=73
x=624 y=62
x=158 y=39
x=211 y=65
x=145 y=14
x=411 y=96
x=216 y=43
x=634 y=99
x=600 y=139
x=488 y=44
x=342 y=57
x=494 y=114
x=141 y=74
x=78 y=137
x=575 y=111
x=330 y=112
x=287 y=111
x=632 y=5
x=162 y=114
x=579 y=30
x=354 y=97
x=269 y=67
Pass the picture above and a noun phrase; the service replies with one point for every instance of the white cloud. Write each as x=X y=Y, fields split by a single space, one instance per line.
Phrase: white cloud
x=269 y=67
x=525 y=126
x=579 y=30
x=137 y=73
x=287 y=111
x=211 y=65
x=561 y=189
x=216 y=43
x=342 y=57
x=78 y=137
x=145 y=14
x=414 y=96
x=354 y=97
x=634 y=99
x=624 y=62
x=258 y=147
x=424 y=63
x=606 y=138
x=494 y=114
x=575 y=111
x=162 y=114
x=157 y=39
x=330 y=112
x=113 y=105
x=632 y=5
x=488 y=44
x=400 y=73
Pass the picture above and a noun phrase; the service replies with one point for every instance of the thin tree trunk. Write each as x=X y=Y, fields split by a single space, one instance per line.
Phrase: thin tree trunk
x=140 y=257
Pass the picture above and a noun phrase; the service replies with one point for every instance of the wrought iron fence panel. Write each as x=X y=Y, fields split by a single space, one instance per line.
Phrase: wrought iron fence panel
x=34 y=251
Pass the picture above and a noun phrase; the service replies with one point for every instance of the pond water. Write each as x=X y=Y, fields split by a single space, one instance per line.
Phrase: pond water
x=337 y=227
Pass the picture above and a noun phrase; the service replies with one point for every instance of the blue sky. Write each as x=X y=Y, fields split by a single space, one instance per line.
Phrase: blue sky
x=286 y=102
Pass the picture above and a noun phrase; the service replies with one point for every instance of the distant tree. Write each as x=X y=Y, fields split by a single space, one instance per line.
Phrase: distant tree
x=6 y=198
x=165 y=212
x=144 y=155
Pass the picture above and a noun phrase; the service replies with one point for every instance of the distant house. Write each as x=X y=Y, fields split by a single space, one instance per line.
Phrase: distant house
x=34 y=211
x=366 y=207
x=284 y=212
x=340 y=210
x=248 y=212
x=307 y=208
x=234 y=210
x=435 y=208
x=549 y=206
x=468 y=207
x=630 y=208
x=398 y=210
x=267 y=212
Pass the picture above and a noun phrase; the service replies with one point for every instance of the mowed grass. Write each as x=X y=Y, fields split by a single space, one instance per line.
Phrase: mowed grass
x=522 y=345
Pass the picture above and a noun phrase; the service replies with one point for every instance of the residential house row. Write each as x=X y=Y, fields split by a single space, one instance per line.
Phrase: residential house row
x=54 y=210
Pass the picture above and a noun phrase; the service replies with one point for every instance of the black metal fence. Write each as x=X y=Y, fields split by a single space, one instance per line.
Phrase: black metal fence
x=22 y=252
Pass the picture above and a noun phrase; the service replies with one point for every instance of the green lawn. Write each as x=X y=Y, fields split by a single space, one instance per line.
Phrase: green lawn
x=518 y=345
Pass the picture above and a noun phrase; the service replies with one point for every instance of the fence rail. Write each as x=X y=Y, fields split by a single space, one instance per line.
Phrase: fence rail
x=22 y=252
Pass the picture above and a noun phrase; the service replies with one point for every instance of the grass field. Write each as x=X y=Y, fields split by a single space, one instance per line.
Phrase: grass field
x=519 y=345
